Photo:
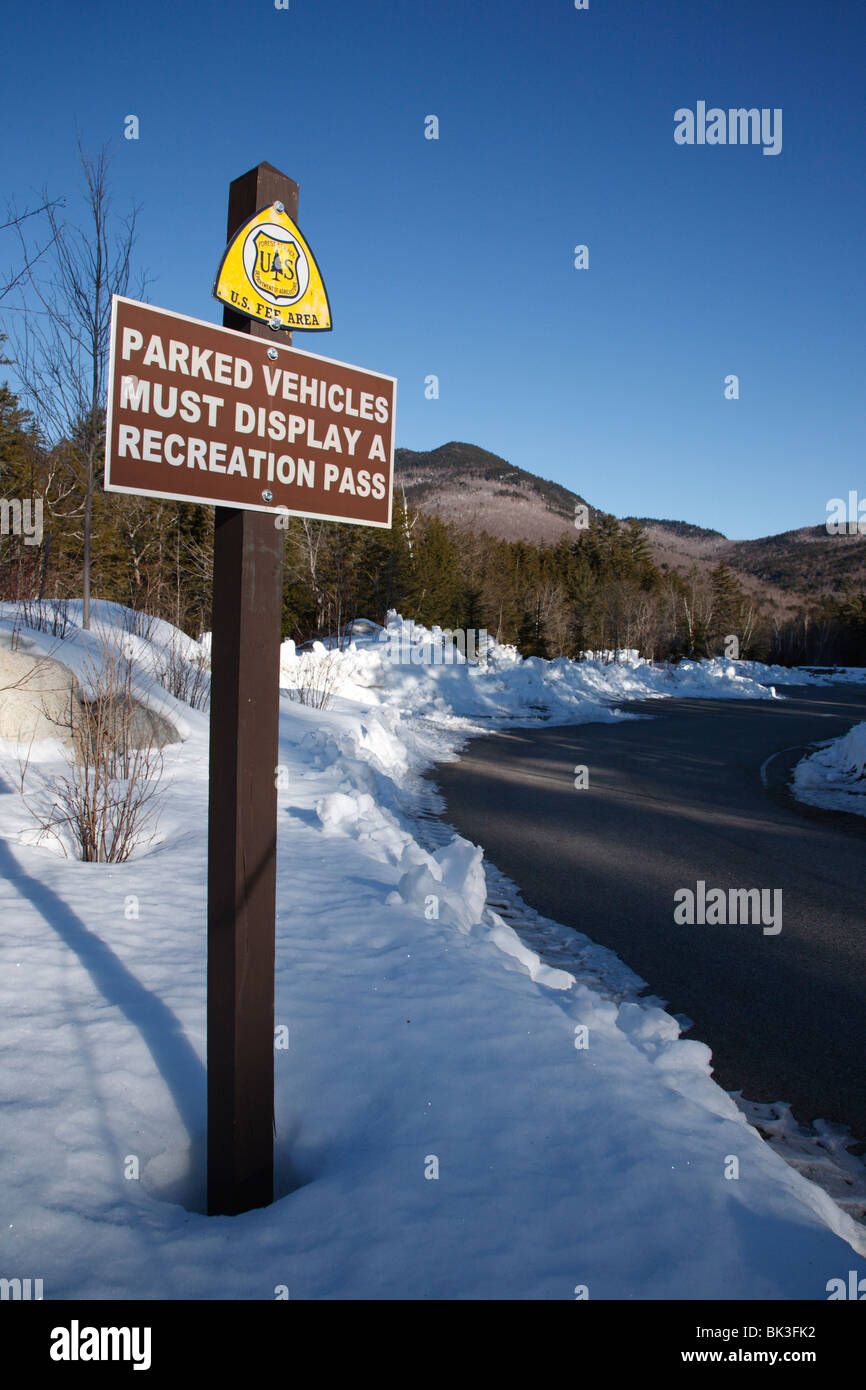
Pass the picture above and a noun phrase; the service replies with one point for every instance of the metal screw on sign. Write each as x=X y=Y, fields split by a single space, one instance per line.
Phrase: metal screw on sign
x=272 y=353
x=267 y=495
x=278 y=207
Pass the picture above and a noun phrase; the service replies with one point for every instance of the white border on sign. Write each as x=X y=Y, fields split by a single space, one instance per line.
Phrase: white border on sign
x=275 y=509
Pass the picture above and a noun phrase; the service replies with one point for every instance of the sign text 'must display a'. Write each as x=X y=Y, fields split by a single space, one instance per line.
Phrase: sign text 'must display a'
x=204 y=414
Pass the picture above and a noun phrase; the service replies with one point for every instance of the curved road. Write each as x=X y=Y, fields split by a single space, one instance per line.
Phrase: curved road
x=678 y=799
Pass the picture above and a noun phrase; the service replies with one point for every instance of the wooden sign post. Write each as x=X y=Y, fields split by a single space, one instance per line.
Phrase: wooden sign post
x=242 y=822
x=236 y=418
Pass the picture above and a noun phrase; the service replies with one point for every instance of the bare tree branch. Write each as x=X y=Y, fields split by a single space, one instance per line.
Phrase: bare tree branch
x=61 y=342
x=31 y=255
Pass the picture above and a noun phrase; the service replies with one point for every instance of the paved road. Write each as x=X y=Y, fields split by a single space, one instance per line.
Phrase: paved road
x=675 y=800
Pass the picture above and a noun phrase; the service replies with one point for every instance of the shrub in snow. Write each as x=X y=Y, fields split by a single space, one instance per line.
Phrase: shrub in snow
x=101 y=808
x=315 y=677
x=186 y=678
x=43 y=615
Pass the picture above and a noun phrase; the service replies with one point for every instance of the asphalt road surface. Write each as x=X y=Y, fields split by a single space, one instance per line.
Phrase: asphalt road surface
x=698 y=793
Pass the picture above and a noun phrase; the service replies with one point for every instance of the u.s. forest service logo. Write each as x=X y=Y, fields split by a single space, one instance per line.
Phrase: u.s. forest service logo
x=275 y=267
x=269 y=273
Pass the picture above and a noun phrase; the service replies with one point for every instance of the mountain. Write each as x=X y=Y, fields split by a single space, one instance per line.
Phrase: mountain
x=472 y=487
x=684 y=529
x=480 y=490
x=794 y=565
x=807 y=559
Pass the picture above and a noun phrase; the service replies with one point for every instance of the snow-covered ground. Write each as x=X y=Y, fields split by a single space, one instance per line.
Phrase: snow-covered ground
x=456 y=1117
x=834 y=775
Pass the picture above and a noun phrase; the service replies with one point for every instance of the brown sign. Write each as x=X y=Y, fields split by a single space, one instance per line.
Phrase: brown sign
x=198 y=413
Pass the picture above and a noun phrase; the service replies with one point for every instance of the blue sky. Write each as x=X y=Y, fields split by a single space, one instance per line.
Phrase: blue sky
x=454 y=256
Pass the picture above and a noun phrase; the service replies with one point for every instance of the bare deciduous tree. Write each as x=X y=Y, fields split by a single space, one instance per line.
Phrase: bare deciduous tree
x=697 y=602
x=62 y=338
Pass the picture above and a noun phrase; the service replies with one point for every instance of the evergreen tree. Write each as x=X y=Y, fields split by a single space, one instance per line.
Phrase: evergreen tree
x=435 y=596
x=22 y=562
x=728 y=606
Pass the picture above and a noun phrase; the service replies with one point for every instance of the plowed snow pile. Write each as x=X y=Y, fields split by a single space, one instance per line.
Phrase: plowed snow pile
x=455 y=1118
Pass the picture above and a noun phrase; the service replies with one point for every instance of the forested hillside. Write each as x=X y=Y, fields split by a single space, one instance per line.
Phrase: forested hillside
x=595 y=588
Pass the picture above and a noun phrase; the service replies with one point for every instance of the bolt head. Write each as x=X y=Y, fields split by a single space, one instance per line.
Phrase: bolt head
x=272 y=354
x=267 y=495
x=278 y=207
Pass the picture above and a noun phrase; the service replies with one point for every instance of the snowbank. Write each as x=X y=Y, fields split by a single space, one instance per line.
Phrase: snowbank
x=834 y=776
x=420 y=671
x=149 y=644
x=456 y=1117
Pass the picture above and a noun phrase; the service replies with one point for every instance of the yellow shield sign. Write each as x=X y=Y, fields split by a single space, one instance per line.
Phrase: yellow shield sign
x=269 y=273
